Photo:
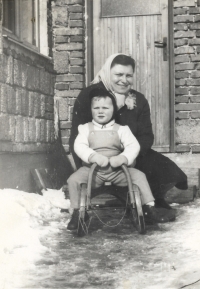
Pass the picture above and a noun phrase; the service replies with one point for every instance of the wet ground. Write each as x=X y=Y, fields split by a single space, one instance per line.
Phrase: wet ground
x=167 y=256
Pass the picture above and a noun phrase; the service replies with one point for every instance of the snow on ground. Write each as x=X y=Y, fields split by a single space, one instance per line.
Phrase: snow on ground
x=22 y=219
x=36 y=250
x=172 y=258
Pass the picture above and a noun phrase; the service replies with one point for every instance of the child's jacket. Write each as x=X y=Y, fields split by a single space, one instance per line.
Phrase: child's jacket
x=109 y=140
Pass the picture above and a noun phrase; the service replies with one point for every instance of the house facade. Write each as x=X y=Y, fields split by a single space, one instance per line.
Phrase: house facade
x=66 y=44
x=27 y=91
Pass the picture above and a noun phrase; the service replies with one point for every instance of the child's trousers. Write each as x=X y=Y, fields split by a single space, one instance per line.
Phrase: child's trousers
x=117 y=177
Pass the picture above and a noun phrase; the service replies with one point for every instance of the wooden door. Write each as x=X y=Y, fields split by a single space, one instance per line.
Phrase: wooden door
x=133 y=27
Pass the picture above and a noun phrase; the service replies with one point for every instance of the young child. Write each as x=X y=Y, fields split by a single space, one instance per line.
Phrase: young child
x=109 y=145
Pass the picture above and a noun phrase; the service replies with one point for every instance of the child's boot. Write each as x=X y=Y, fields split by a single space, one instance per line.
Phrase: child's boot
x=158 y=215
x=73 y=224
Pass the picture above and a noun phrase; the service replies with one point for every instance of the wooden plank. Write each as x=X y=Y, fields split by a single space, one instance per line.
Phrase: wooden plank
x=137 y=49
x=119 y=40
x=116 y=36
x=108 y=30
x=161 y=148
x=89 y=42
x=96 y=35
x=127 y=28
x=153 y=86
x=130 y=36
x=171 y=75
x=71 y=162
x=144 y=44
x=41 y=179
x=179 y=196
x=123 y=35
x=113 y=35
x=106 y=200
x=148 y=47
x=104 y=38
x=102 y=42
x=133 y=50
x=142 y=57
x=165 y=118
x=156 y=69
x=160 y=86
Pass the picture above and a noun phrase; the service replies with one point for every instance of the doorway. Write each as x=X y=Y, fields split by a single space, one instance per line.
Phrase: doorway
x=139 y=29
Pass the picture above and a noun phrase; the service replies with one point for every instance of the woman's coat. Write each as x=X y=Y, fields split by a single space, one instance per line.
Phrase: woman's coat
x=159 y=169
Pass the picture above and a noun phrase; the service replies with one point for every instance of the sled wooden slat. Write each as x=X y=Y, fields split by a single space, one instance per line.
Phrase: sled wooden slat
x=41 y=179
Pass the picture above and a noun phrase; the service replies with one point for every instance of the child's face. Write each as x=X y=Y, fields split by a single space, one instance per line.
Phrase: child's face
x=102 y=109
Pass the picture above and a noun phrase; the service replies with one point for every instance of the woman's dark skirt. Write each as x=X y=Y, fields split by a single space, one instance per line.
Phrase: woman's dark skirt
x=161 y=171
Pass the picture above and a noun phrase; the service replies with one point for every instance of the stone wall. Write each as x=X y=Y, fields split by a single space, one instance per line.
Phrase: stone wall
x=187 y=74
x=68 y=56
x=26 y=100
x=27 y=82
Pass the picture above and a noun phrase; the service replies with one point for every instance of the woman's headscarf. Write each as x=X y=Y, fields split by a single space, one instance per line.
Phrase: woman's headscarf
x=104 y=76
x=104 y=73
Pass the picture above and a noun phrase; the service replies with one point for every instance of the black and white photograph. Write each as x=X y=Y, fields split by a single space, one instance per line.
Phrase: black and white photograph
x=99 y=144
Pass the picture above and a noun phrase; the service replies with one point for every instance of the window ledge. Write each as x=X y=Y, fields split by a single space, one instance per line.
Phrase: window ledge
x=29 y=48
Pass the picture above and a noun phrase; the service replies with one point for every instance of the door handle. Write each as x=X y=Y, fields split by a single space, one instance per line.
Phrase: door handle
x=162 y=44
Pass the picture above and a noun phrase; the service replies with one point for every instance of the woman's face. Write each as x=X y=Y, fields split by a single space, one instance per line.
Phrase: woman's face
x=121 y=77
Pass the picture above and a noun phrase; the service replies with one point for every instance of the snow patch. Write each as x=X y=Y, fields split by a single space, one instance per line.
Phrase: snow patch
x=22 y=219
x=57 y=198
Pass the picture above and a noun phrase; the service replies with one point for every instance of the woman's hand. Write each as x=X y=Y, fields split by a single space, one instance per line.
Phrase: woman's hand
x=101 y=160
x=117 y=161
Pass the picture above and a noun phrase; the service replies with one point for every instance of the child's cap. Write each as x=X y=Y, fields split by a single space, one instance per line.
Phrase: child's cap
x=100 y=91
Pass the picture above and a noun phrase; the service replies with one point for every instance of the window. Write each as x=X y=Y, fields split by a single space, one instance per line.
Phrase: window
x=9 y=14
x=115 y=8
x=26 y=21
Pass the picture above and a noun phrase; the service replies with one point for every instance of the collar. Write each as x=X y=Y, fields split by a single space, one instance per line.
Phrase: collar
x=111 y=123
x=120 y=99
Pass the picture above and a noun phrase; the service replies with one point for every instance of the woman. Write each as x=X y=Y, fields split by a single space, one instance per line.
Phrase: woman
x=133 y=110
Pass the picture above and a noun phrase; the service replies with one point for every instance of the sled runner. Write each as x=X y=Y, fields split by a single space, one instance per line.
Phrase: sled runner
x=132 y=201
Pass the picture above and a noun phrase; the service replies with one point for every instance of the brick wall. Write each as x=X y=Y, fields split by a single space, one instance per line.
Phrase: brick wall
x=26 y=100
x=68 y=56
x=187 y=74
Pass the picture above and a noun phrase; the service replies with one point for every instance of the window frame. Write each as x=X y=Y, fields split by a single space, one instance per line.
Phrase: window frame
x=40 y=28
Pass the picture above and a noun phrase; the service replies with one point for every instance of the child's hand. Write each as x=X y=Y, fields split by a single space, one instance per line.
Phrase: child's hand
x=101 y=160
x=117 y=161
